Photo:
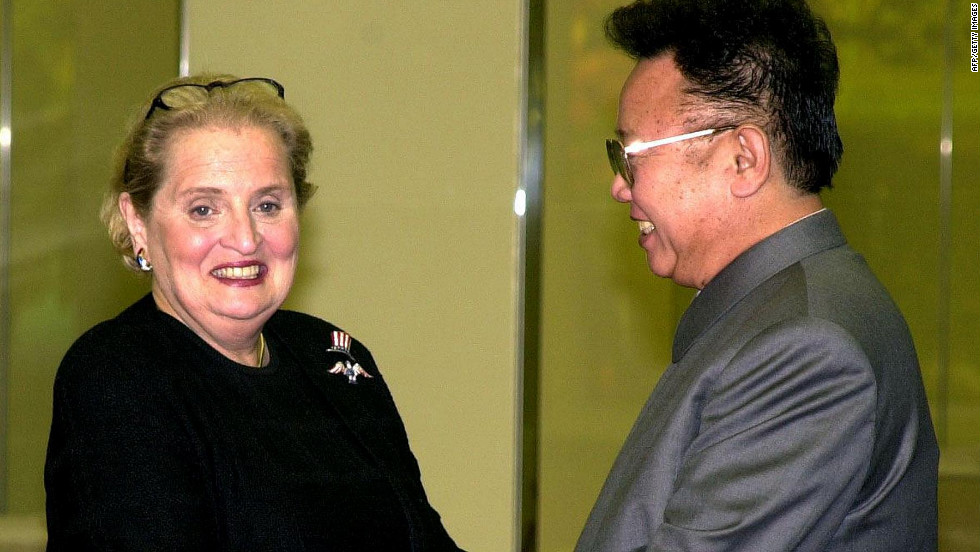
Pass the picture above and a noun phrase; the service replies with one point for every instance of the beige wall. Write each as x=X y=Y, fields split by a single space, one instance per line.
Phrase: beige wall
x=410 y=243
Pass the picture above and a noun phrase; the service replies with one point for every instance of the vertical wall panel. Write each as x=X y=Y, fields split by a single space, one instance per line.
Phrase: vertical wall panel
x=411 y=241
x=75 y=76
x=606 y=322
x=6 y=47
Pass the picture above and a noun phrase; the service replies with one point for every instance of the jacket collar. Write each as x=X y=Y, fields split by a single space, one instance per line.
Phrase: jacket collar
x=813 y=234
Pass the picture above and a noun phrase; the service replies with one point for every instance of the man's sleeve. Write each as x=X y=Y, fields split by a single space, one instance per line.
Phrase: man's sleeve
x=783 y=449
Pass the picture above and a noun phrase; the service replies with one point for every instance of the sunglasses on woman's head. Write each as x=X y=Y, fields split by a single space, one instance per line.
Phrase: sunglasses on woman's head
x=181 y=95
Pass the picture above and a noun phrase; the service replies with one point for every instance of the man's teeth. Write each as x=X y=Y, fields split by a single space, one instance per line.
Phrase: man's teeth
x=250 y=272
x=646 y=226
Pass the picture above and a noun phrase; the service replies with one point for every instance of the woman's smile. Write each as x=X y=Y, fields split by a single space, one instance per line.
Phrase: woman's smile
x=247 y=274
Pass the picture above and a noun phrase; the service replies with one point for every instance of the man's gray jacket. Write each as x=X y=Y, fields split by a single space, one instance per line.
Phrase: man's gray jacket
x=792 y=417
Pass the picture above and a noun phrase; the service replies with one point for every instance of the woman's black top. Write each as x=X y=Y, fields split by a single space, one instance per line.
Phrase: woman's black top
x=159 y=442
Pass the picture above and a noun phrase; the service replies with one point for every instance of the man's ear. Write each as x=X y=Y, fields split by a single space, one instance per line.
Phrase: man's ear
x=753 y=160
x=137 y=228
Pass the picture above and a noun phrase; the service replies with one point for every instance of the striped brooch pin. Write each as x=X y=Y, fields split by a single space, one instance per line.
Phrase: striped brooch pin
x=348 y=367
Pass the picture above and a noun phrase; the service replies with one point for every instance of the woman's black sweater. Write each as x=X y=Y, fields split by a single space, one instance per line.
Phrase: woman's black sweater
x=159 y=442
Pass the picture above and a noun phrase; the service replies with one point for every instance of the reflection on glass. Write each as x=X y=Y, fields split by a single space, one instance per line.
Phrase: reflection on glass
x=607 y=324
x=74 y=82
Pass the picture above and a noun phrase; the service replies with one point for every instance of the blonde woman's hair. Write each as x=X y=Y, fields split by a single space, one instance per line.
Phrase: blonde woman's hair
x=141 y=159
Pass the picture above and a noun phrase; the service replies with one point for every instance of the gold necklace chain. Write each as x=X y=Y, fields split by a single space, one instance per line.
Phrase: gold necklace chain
x=261 y=355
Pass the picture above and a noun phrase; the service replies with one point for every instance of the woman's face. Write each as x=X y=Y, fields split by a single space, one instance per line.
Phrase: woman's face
x=223 y=231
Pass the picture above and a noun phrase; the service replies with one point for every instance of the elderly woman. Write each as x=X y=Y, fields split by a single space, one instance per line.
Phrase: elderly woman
x=203 y=417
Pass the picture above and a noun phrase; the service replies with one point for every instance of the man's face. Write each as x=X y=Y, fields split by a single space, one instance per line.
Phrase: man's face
x=679 y=196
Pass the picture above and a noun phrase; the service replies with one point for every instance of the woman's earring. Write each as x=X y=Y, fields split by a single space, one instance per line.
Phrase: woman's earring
x=145 y=265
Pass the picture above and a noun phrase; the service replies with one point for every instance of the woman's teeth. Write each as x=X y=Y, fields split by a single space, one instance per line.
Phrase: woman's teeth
x=646 y=227
x=250 y=272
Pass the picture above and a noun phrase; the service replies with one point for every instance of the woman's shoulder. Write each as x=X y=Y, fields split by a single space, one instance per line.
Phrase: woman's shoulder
x=310 y=332
x=112 y=347
x=301 y=321
x=129 y=329
x=301 y=325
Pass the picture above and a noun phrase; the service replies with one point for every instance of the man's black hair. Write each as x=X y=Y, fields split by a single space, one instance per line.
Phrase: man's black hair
x=772 y=61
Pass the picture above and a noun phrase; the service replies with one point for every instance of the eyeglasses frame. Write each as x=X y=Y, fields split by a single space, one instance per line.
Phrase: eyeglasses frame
x=619 y=154
x=158 y=102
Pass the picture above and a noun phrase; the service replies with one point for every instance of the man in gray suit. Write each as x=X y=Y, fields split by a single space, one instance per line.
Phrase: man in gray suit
x=793 y=415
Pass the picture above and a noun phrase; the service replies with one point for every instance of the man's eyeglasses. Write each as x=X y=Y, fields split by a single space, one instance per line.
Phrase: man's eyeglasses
x=181 y=95
x=619 y=154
